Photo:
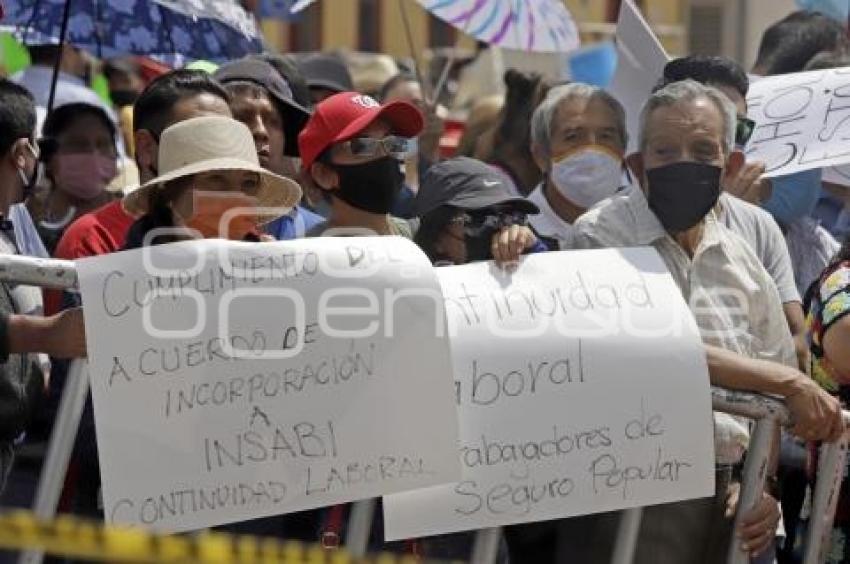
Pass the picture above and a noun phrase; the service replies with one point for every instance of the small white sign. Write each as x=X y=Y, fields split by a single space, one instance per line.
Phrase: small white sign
x=802 y=121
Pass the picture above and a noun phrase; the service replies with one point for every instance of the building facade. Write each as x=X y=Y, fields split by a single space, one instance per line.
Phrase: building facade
x=727 y=27
x=377 y=25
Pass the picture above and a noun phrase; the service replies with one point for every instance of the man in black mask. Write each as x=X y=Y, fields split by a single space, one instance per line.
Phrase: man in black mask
x=125 y=80
x=686 y=150
x=353 y=148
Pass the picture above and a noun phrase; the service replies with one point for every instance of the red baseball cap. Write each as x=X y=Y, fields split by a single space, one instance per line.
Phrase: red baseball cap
x=344 y=115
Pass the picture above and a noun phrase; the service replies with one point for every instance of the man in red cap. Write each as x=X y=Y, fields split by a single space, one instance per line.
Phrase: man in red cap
x=353 y=149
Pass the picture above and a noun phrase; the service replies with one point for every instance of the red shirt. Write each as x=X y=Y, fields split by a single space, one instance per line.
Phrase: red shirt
x=100 y=232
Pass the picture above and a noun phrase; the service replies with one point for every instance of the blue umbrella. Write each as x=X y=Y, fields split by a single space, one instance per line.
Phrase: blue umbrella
x=171 y=31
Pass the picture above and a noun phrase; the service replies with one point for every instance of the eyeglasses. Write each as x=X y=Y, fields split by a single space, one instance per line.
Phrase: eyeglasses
x=370 y=147
x=476 y=223
x=744 y=130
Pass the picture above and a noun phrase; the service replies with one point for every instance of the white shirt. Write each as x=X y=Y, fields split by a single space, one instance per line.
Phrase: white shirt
x=549 y=224
x=734 y=300
x=758 y=228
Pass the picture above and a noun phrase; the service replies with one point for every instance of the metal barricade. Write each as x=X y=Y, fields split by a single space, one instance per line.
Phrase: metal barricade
x=831 y=464
x=769 y=415
x=59 y=275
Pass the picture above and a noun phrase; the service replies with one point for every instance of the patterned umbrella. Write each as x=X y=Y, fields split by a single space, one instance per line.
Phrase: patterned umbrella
x=528 y=25
x=171 y=31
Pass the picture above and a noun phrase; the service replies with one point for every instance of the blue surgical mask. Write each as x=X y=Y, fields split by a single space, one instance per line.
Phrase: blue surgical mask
x=794 y=196
x=835 y=9
x=412 y=147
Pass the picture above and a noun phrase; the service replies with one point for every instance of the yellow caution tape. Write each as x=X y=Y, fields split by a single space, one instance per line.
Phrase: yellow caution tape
x=91 y=540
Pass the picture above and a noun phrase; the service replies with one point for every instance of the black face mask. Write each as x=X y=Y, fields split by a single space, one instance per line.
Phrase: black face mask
x=123 y=98
x=681 y=194
x=479 y=247
x=371 y=186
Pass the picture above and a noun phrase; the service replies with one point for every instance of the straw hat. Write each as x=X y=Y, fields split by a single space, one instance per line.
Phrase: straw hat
x=210 y=143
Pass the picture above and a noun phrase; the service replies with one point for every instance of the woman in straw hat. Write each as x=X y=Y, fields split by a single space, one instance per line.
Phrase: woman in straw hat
x=210 y=185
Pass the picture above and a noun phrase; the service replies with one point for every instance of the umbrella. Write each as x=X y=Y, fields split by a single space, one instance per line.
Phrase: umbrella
x=170 y=31
x=528 y=25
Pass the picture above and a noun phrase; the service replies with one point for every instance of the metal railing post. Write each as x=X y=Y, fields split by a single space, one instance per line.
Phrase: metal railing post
x=627 y=536
x=485 y=550
x=360 y=527
x=769 y=414
x=59 y=449
x=756 y=466
x=56 y=274
x=831 y=464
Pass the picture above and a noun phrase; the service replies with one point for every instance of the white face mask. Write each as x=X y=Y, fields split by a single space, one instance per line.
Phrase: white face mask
x=587 y=176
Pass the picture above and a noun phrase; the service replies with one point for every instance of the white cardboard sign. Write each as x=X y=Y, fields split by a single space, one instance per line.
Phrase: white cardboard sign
x=837 y=175
x=582 y=387
x=802 y=120
x=640 y=65
x=233 y=380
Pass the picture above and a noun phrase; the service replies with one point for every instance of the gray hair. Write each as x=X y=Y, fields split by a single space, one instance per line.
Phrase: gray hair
x=541 y=121
x=688 y=90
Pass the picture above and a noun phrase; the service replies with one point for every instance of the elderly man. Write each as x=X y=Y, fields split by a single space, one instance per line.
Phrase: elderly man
x=685 y=151
x=578 y=139
x=751 y=222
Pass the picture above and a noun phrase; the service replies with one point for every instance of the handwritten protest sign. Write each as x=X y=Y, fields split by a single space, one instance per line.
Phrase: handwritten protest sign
x=640 y=64
x=582 y=387
x=837 y=175
x=802 y=120
x=233 y=380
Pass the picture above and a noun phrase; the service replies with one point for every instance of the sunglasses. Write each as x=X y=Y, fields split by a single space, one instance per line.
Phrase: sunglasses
x=370 y=147
x=476 y=224
x=744 y=129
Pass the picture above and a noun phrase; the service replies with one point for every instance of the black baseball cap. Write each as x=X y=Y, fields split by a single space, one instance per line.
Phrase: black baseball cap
x=466 y=184
x=264 y=75
x=326 y=70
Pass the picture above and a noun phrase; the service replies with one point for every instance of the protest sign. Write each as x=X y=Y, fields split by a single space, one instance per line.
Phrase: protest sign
x=802 y=121
x=235 y=380
x=582 y=387
x=837 y=175
x=640 y=65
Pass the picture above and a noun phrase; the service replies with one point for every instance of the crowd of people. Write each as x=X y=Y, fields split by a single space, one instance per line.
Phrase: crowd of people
x=545 y=168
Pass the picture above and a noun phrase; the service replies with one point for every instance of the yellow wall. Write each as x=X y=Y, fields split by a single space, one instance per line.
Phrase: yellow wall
x=339 y=24
x=393 y=37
